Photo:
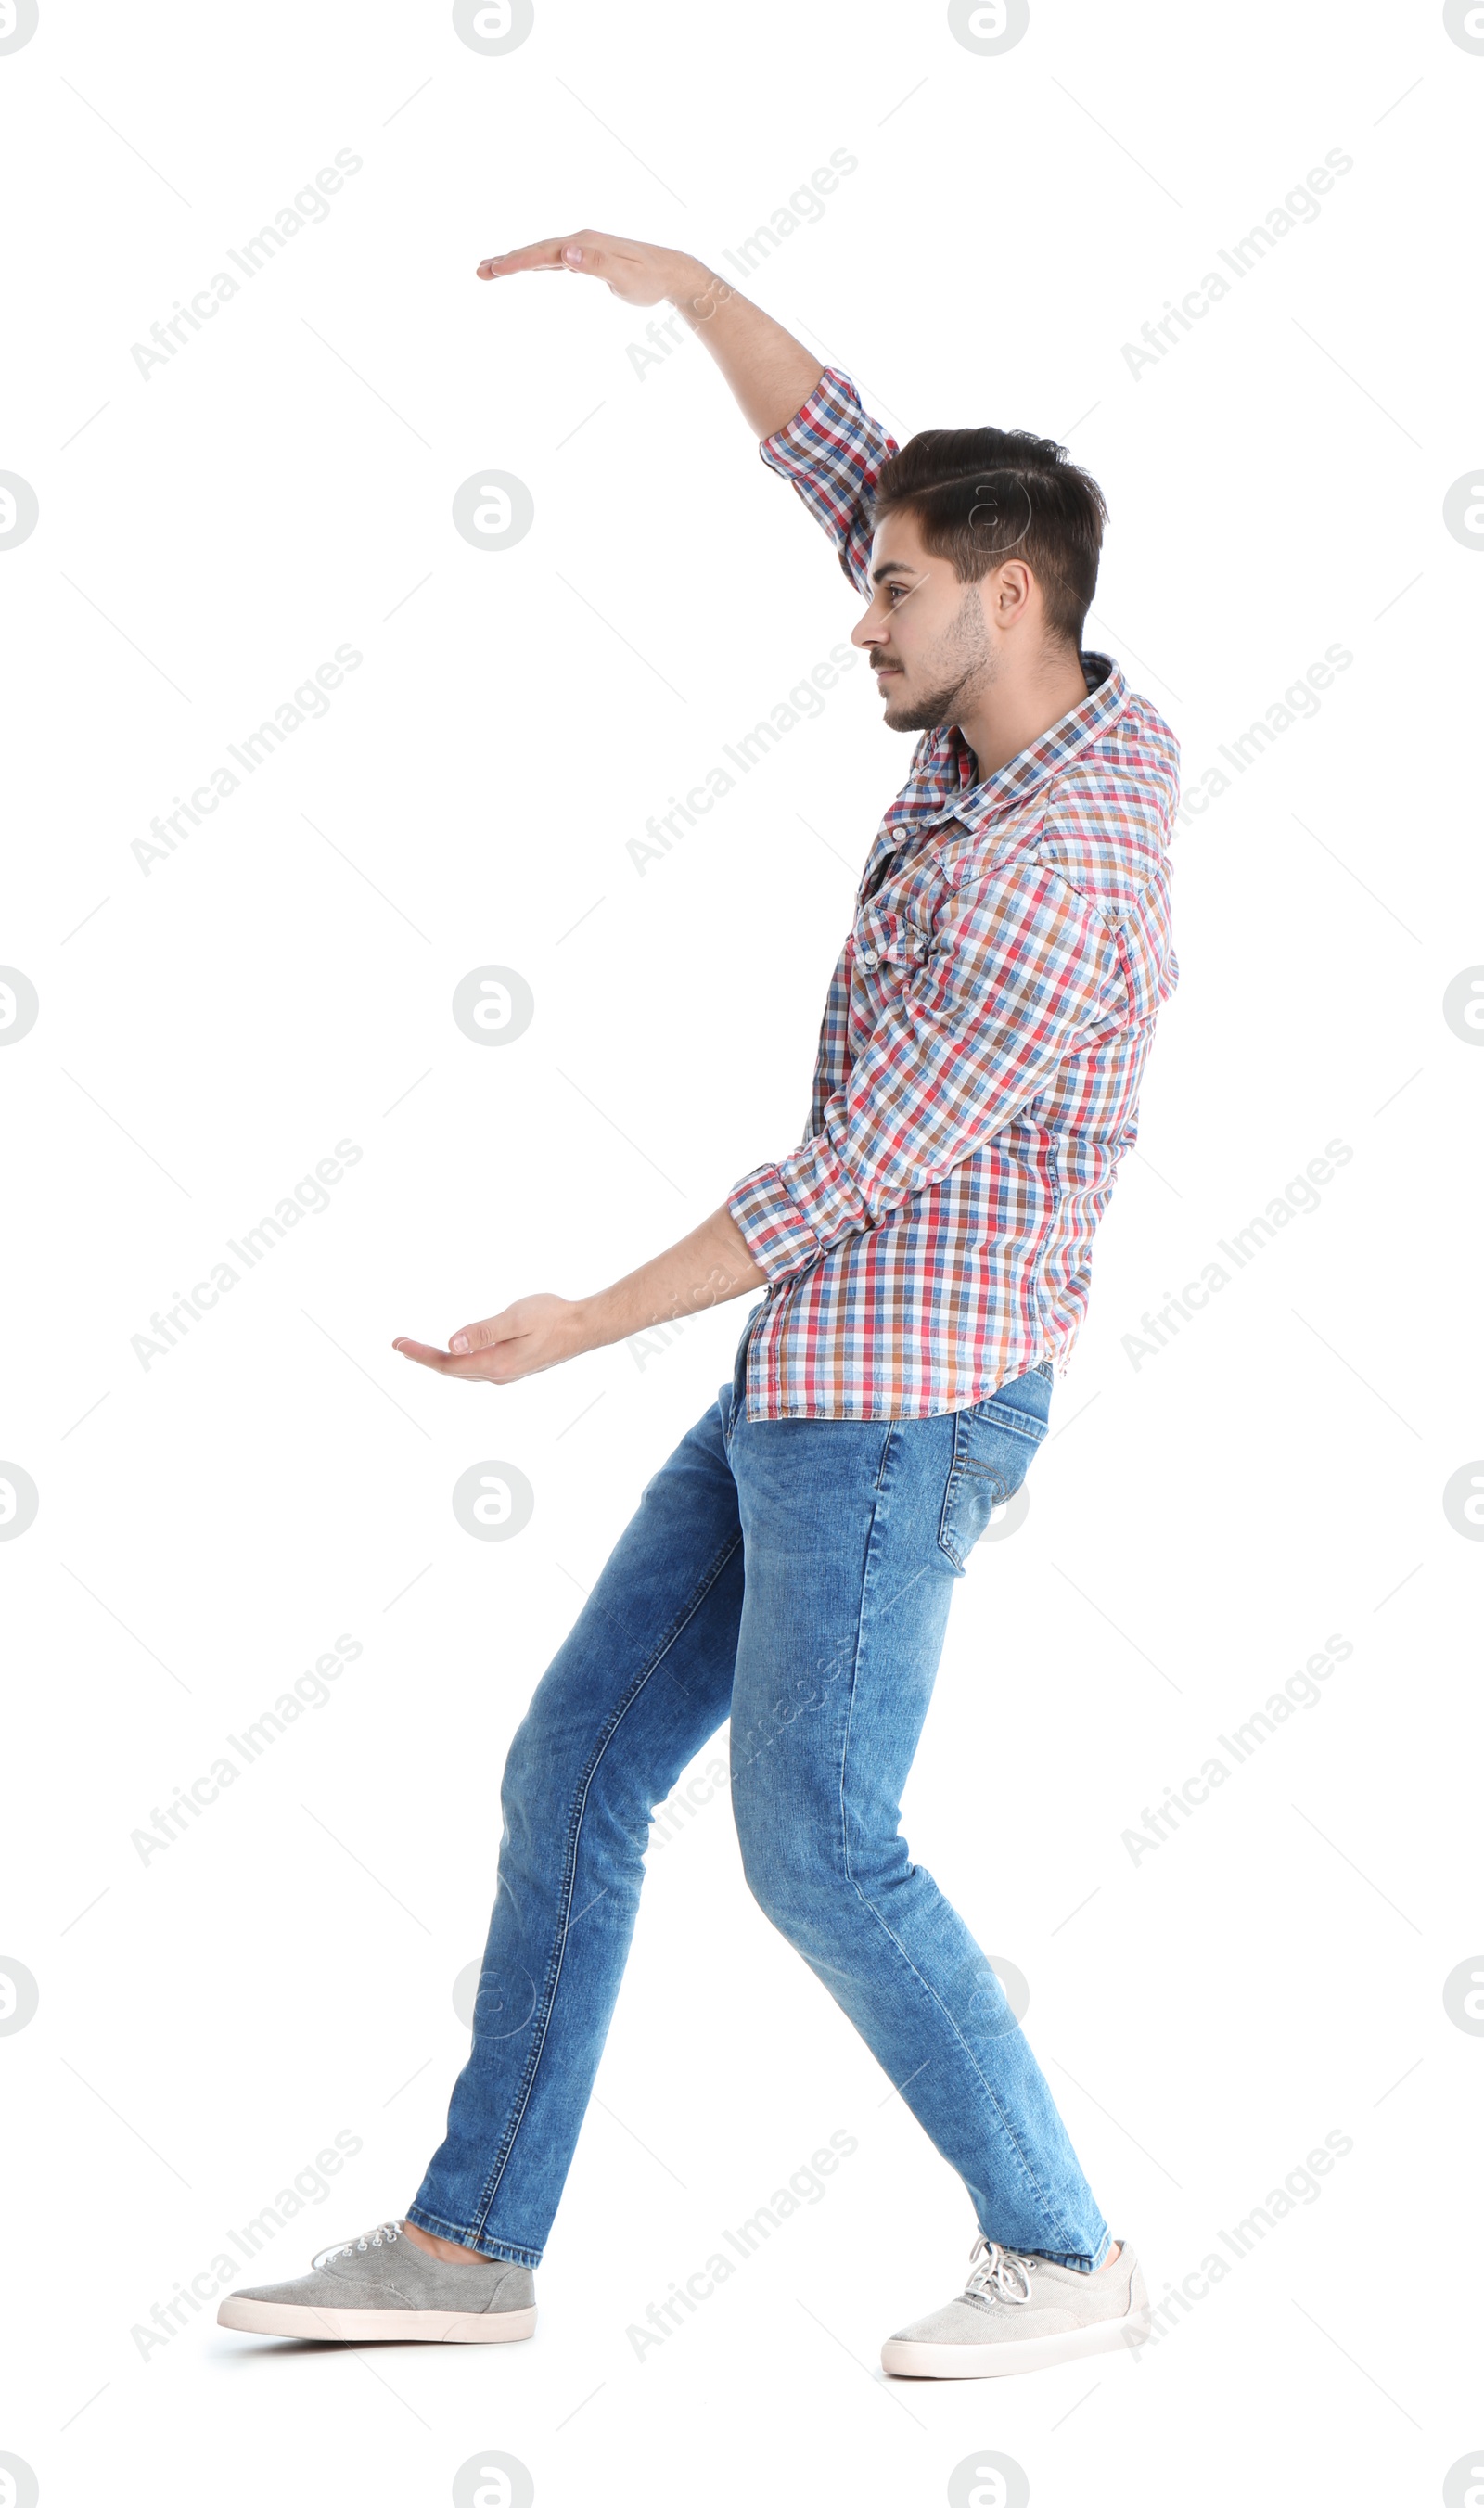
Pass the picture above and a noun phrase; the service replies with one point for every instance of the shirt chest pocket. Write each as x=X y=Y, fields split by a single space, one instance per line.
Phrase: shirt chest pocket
x=888 y=943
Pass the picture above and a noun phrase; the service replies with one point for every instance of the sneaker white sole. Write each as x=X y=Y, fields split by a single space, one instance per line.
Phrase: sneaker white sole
x=1010 y=2356
x=375 y=2324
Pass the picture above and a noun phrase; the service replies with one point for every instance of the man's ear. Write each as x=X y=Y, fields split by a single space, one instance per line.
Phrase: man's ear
x=1014 y=584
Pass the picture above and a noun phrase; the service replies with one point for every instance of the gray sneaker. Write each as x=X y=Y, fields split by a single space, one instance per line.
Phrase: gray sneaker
x=1021 y=2312
x=381 y=2288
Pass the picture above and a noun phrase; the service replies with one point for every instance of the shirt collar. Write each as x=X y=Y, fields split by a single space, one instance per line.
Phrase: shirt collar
x=945 y=778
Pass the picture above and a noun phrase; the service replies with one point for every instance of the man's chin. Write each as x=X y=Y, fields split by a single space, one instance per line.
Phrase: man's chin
x=903 y=714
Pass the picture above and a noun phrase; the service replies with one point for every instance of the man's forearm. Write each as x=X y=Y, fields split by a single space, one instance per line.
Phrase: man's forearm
x=768 y=370
x=704 y=1270
x=770 y=373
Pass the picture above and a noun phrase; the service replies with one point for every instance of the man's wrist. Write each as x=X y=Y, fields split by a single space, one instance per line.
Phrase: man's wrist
x=590 y=1325
x=696 y=292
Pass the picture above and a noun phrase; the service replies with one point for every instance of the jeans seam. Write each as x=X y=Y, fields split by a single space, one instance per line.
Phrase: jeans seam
x=1028 y=2174
x=958 y=1469
x=642 y=1681
x=951 y=1491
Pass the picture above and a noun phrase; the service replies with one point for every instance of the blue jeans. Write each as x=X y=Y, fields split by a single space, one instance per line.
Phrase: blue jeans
x=795 y=1574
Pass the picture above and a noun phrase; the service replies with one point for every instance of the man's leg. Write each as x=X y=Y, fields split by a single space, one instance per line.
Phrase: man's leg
x=855 y=1532
x=640 y=1685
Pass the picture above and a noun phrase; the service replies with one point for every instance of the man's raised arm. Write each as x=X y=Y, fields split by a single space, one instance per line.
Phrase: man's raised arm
x=770 y=374
x=834 y=457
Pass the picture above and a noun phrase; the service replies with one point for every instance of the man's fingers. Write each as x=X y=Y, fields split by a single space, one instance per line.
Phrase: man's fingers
x=556 y=252
x=441 y=1359
x=546 y=255
x=470 y=1338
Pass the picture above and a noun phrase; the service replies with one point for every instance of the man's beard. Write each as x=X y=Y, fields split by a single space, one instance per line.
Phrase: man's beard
x=968 y=646
x=932 y=712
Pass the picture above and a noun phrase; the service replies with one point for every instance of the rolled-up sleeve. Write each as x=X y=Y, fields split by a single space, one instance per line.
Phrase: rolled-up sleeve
x=834 y=452
x=1022 y=970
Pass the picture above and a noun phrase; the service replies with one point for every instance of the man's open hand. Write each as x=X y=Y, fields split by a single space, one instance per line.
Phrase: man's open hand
x=704 y=1270
x=772 y=373
x=535 y=1333
x=640 y=273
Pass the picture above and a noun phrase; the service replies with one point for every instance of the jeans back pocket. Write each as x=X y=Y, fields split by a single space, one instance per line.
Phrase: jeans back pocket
x=994 y=1443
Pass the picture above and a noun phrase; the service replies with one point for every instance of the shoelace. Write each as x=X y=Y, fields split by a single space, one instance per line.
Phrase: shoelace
x=994 y=2273
x=385 y=2234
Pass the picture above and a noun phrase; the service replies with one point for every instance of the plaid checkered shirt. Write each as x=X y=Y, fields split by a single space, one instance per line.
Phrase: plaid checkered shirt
x=984 y=1039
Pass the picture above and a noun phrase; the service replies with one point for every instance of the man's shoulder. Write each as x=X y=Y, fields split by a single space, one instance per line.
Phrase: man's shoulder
x=1109 y=812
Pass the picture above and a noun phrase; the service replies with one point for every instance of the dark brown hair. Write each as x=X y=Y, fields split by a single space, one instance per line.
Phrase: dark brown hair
x=981 y=495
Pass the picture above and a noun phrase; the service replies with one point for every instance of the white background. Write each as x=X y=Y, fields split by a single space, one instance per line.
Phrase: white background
x=1200 y=1522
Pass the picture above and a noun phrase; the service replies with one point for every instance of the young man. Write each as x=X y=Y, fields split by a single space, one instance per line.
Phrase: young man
x=925 y=1257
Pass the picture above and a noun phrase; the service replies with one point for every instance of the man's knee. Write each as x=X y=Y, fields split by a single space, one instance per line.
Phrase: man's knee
x=792 y=1863
x=541 y=1766
x=795 y=1899
x=811 y=1880
x=553 y=1780
x=560 y=1781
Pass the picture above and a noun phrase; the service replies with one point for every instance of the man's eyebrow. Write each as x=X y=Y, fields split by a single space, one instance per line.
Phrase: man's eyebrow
x=891 y=565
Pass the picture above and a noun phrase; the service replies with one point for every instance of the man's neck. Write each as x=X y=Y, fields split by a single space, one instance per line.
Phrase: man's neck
x=1008 y=718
